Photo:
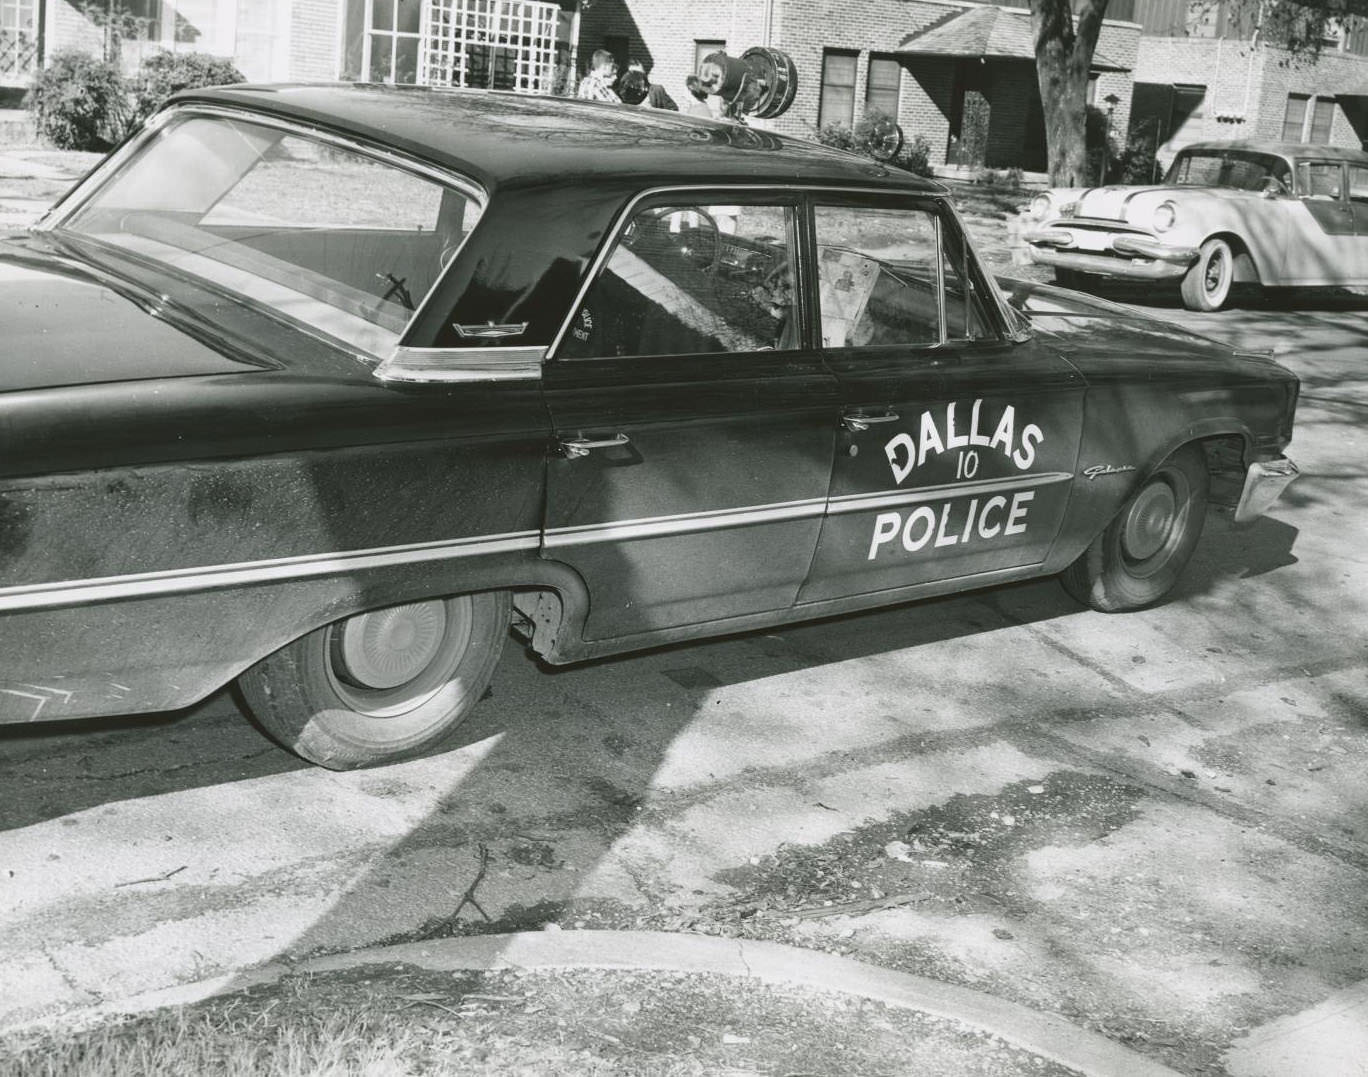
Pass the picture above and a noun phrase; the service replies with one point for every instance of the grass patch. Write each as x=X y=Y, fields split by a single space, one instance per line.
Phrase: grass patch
x=398 y=1020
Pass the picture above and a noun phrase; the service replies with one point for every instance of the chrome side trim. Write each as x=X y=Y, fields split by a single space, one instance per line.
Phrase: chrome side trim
x=839 y=506
x=683 y=523
x=217 y=577
x=718 y=519
x=462 y=364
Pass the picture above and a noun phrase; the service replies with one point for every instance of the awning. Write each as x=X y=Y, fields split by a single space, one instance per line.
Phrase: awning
x=985 y=33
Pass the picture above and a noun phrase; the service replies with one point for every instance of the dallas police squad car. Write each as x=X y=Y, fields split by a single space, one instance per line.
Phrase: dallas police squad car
x=326 y=389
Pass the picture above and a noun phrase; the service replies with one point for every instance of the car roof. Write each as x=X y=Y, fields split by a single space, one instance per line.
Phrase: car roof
x=507 y=139
x=1285 y=149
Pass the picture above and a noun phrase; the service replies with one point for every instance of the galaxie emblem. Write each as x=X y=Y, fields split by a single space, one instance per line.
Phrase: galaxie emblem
x=1098 y=470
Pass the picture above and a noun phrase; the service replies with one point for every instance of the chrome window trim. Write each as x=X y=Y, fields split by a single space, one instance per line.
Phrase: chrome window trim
x=408 y=364
x=781 y=194
x=96 y=181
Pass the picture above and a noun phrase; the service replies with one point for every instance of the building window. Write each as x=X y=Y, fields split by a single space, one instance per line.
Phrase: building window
x=493 y=44
x=1322 y=119
x=1188 y=106
x=392 y=41
x=838 y=89
x=1294 y=117
x=881 y=92
x=705 y=48
x=1307 y=119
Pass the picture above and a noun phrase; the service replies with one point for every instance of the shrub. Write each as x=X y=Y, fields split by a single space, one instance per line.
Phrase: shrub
x=915 y=157
x=877 y=135
x=836 y=135
x=1137 y=160
x=165 y=73
x=1000 y=177
x=79 y=102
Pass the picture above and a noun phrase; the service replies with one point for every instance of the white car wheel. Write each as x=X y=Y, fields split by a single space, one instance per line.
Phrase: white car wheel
x=1207 y=284
x=381 y=685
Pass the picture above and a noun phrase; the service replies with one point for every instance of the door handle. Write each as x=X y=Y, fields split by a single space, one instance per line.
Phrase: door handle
x=576 y=447
x=856 y=421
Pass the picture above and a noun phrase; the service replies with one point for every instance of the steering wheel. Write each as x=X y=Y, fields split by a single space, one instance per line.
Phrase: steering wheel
x=699 y=244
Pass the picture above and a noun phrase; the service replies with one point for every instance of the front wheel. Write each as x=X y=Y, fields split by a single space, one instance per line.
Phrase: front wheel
x=381 y=685
x=1138 y=558
x=1206 y=286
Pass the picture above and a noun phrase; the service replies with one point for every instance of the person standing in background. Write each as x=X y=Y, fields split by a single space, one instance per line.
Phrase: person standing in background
x=699 y=105
x=636 y=88
x=598 y=84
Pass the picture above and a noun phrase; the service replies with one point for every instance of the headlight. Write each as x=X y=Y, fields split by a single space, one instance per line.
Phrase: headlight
x=1041 y=205
x=1165 y=216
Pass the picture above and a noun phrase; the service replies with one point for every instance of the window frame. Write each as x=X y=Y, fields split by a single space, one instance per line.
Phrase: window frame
x=883 y=58
x=1304 y=100
x=98 y=180
x=1350 y=166
x=949 y=229
x=778 y=198
x=853 y=55
x=1313 y=106
x=1309 y=163
x=706 y=46
x=1313 y=121
x=1000 y=327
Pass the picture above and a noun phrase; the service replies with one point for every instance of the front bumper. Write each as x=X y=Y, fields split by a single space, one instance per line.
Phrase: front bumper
x=1264 y=482
x=1111 y=254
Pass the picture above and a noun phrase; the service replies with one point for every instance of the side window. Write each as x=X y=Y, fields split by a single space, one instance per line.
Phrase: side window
x=886 y=277
x=1358 y=183
x=689 y=279
x=1320 y=179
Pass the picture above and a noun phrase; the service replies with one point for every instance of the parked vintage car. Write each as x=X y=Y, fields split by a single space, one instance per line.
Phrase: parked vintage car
x=1275 y=214
x=324 y=388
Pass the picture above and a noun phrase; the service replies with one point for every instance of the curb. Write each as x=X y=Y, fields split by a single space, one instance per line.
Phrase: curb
x=1045 y=1034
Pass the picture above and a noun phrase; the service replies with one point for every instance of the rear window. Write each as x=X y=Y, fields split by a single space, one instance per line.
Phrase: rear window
x=340 y=243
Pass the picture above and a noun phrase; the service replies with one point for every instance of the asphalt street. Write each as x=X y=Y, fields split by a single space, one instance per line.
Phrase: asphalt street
x=1151 y=824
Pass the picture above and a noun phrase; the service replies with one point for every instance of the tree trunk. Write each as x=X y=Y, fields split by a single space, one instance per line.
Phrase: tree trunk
x=1064 y=53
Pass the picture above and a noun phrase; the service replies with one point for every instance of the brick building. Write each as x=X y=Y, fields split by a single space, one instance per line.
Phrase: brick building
x=959 y=74
x=1204 y=72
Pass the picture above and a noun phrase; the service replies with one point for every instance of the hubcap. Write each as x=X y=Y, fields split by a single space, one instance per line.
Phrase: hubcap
x=1150 y=521
x=1215 y=274
x=390 y=647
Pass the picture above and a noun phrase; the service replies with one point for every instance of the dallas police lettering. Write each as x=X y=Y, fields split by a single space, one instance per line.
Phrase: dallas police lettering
x=952 y=522
x=958 y=520
x=905 y=455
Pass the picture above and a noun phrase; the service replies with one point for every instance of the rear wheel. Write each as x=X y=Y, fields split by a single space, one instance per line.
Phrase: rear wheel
x=381 y=685
x=1207 y=284
x=1138 y=558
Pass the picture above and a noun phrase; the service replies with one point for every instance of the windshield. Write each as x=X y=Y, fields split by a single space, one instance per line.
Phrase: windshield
x=1239 y=170
x=339 y=243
